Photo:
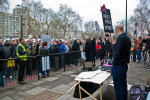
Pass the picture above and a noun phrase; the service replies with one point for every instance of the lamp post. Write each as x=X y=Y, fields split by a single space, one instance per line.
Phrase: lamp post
x=126 y=17
x=21 y=21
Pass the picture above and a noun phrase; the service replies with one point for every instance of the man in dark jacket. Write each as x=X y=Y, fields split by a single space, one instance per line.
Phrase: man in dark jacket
x=120 y=60
x=7 y=48
x=108 y=46
x=75 y=55
x=103 y=49
x=56 y=49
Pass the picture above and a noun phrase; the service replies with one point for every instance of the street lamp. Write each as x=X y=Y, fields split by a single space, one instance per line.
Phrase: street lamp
x=126 y=17
x=21 y=20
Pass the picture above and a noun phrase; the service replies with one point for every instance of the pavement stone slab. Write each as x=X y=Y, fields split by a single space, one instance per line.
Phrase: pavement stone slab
x=35 y=90
x=72 y=83
x=50 y=79
x=68 y=72
x=7 y=92
x=48 y=85
x=45 y=95
x=62 y=88
x=24 y=87
x=37 y=82
x=7 y=98
x=64 y=97
x=19 y=95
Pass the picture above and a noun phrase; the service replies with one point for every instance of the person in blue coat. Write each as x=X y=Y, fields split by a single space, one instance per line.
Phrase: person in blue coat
x=62 y=50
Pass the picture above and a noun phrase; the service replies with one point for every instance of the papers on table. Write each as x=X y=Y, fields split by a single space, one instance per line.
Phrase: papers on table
x=97 y=77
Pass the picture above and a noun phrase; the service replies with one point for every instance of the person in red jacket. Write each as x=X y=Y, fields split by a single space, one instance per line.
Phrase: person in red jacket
x=98 y=47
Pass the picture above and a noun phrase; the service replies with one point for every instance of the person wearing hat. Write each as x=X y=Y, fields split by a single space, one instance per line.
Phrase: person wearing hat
x=8 y=54
x=33 y=51
x=62 y=50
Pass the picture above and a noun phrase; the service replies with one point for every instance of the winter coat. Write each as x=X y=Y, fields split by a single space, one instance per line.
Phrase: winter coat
x=7 y=48
x=43 y=51
x=37 y=49
x=98 y=47
x=62 y=48
x=147 y=41
x=139 y=45
x=75 y=47
x=88 y=52
x=56 y=49
x=93 y=44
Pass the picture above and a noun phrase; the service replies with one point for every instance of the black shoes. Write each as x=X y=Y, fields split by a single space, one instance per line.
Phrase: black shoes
x=22 y=82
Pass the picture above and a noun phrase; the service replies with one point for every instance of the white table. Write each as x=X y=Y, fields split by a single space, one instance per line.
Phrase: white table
x=97 y=77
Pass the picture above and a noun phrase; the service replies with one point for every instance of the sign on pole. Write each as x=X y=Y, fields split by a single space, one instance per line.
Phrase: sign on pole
x=46 y=38
x=106 y=15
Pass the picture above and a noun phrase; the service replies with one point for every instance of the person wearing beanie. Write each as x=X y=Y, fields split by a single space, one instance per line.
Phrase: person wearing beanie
x=62 y=50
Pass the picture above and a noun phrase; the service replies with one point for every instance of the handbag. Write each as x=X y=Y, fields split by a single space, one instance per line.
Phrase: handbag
x=10 y=63
x=88 y=64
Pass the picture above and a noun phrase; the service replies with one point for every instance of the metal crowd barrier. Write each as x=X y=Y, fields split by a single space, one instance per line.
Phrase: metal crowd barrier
x=14 y=68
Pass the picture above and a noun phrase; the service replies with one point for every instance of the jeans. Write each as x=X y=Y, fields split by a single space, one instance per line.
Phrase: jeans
x=8 y=71
x=119 y=74
x=1 y=80
x=139 y=55
x=75 y=62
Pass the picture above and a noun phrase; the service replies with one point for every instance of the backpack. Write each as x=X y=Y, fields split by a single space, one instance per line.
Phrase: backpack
x=135 y=92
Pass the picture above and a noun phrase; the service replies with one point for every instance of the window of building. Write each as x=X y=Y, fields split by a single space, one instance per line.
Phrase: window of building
x=6 y=17
x=17 y=19
x=10 y=17
x=13 y=18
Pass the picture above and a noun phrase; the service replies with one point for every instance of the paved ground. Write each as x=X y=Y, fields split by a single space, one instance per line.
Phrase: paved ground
x=55 y=86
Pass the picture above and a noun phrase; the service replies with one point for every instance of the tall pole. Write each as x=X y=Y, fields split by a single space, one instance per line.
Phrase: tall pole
x=21 y=23
x=141 y=25
x=126 y=17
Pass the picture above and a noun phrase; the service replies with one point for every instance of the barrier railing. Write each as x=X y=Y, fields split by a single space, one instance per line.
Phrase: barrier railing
x=16 y=70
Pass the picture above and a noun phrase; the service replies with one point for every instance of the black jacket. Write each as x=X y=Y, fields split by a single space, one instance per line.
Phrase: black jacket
x=75 y=47
x=122 y=50
x=7 y=48
x=147 y=41
x=88 y=52
x=108 y=46
x=37 y=49
x=93 y=45
x=103 y=45
x=56 y=49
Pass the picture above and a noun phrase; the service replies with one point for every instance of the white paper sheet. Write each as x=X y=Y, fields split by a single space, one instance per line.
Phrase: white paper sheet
x=99 y=78
x=45 y=63
x=83 y=55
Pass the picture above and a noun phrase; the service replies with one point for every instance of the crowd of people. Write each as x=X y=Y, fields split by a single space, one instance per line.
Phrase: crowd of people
x=22 y=48
x=67 y=52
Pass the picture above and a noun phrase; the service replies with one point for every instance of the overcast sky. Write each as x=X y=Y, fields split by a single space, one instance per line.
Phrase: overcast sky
x=90 y=9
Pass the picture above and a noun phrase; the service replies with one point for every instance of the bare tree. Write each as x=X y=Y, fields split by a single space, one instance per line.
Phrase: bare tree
x=89 y=27
x=33 y=10
x=68 y=17
x=4 y=5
